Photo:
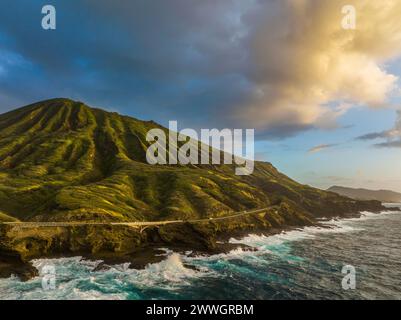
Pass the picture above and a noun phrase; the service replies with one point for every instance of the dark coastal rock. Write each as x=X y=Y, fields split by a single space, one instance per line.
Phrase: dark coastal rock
x=10 y=266
x=61 y=160
x=115 y=244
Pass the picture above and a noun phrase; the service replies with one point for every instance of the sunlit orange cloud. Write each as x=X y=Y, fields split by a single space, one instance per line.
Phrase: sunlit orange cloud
x=320 y=147
x=308 y=70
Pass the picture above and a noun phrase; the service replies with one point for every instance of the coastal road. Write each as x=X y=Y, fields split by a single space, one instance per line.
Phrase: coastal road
x=140 y=224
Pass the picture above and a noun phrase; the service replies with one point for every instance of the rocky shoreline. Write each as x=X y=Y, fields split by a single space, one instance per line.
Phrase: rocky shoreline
x=120 y=244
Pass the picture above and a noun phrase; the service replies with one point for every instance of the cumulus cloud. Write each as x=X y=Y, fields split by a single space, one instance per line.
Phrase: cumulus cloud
x=280 y=66
x=304 y=62
x=153 y=59
x=321 y=147
x=392 y=136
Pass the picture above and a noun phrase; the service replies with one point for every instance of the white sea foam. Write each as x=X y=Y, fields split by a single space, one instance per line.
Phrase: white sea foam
x=237 y=253
x=267 y=244
x=76 y=279
x=392 y=205
x=169 y=272
x=263 y=242
x=258 y=241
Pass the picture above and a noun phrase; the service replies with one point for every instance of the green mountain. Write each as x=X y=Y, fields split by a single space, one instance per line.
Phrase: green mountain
x=61 y=160
x=366 y=194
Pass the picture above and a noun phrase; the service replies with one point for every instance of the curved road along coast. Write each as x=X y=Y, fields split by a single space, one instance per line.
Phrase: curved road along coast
x=23 y=224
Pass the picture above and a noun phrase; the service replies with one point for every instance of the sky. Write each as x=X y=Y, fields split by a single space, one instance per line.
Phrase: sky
x=324 y=101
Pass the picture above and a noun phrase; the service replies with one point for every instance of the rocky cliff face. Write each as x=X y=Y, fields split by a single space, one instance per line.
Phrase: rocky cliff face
x=29 y=242
x=117 y=243
x=61 y=160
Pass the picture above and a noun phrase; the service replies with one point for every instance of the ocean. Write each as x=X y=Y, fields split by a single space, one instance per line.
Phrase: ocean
x=306 y=263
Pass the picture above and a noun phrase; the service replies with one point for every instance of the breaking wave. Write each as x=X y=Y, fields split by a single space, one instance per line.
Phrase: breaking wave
x=300 y=263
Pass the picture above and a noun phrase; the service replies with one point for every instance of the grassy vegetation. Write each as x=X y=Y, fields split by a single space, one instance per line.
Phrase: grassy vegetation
x=6 y=218
x=62 y=160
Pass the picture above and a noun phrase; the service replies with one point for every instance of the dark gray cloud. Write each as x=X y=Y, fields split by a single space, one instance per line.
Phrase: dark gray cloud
x=389 y=144
x=155 y=59
x=392 y=136
x=229 y=63
x=373 y=136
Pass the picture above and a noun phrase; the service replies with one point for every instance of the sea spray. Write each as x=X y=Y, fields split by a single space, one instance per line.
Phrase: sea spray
x=299 y=264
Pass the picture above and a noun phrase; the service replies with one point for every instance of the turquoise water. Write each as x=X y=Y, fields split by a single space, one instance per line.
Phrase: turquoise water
x=300 y=264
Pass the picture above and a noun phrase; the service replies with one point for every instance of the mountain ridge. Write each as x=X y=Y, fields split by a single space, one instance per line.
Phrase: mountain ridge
x=367 y=194
x=63 y=160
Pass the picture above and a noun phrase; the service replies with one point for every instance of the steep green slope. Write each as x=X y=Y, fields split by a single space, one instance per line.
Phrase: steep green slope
x=6 y=218
x=62 y=160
